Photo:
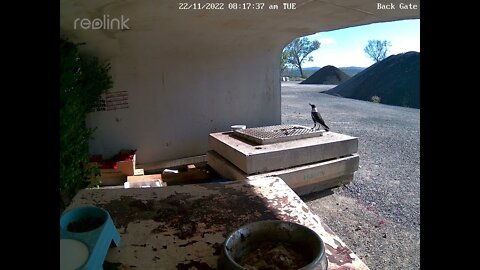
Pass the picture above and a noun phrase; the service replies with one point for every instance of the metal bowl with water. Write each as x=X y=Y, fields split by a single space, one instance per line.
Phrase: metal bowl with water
x=240 y=242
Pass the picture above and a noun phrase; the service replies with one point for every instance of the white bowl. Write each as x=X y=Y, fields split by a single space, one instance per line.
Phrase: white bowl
x=235 y=127
x=73 y=254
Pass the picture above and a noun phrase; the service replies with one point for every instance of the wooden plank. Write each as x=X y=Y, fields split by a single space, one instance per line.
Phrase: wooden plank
x=156 y=166
x=144 y=178
x=112 y=178
x=127 y=167
x=252 y=158
x=186 y=177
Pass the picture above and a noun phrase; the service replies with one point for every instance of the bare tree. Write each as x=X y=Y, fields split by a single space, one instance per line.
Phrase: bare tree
x=298 y=50
x=377 y=49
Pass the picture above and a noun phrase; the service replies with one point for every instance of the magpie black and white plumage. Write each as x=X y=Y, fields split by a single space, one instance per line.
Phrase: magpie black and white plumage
x=317 y=118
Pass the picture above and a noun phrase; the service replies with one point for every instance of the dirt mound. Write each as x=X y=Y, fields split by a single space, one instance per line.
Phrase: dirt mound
x=327 y=75
x=395 y=80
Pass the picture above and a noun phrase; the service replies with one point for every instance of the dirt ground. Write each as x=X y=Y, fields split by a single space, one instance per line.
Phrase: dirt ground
x=378 y=214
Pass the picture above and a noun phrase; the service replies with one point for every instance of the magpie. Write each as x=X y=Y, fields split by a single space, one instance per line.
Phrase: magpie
x=317 y=118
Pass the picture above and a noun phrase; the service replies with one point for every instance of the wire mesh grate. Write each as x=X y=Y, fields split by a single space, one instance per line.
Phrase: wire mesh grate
x=278 y=133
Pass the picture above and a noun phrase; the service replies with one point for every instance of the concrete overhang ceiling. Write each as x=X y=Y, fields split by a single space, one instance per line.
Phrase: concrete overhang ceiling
x=162 y=22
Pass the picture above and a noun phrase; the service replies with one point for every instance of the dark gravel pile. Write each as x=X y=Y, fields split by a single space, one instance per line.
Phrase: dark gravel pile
x=327 y=75
x=378 y=213
x=396 y=80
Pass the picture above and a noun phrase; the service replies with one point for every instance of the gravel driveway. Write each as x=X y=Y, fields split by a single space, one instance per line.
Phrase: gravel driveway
x=378 y=214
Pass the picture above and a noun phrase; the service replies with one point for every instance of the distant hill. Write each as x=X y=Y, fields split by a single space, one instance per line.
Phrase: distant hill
x=351 y=71
x=327 y=75
x=396 y=80
x=293 y=72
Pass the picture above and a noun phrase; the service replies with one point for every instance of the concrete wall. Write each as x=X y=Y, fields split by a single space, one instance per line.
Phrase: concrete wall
x=192 y=72
x=175 y=101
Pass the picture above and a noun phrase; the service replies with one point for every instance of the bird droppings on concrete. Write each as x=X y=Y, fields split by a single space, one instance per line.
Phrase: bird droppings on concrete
x=196 y=264
x=183 y=214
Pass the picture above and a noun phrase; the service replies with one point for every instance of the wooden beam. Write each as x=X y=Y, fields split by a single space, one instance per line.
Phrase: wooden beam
x=144 y=178
x=187 y=177
x=157 y=166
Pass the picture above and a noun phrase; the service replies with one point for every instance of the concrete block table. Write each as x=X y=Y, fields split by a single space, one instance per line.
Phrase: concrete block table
x=303 y=179
x=306 y=164
x=182 y=227
x=253 y=158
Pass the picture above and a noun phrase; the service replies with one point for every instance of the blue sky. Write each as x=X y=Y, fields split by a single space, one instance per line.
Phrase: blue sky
x=344 y=48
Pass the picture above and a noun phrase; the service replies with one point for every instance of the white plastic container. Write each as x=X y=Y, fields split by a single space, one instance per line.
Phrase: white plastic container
x=236 y=127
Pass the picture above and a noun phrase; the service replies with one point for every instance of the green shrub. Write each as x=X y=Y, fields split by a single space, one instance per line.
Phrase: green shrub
x=82 y=81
